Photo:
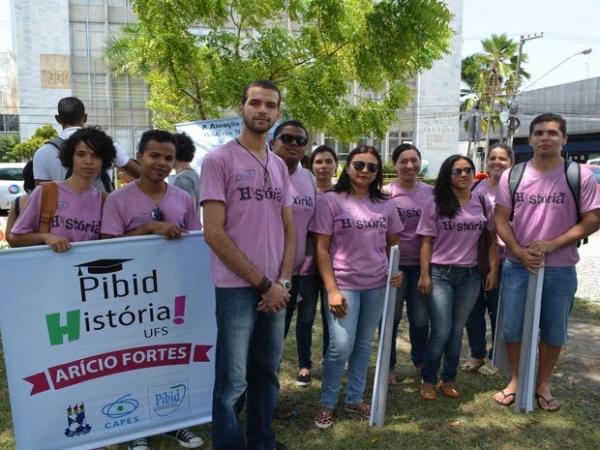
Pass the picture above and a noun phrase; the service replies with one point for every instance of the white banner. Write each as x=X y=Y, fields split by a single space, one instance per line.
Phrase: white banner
x=110 y=341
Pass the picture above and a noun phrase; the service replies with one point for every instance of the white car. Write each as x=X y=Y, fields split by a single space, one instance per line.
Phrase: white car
x=594 y=162
x=11 y=184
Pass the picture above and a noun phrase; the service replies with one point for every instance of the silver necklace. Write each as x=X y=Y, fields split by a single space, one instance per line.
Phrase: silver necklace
x=266 y=174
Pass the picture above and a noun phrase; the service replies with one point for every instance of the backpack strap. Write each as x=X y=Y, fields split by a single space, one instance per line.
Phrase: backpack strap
x=48 y=205
x=573 y=175
x=474 y=185
x=514 y=178
x=56 y=142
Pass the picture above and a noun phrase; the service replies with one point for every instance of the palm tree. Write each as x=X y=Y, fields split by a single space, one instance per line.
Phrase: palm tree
x=490 y=79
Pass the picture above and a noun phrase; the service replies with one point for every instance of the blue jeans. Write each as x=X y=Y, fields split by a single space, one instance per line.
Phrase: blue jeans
x=418 y=316
x=350 y=341
x=454 y=292
x=249 y=349
x=487 y=300
x=307 y=287
x=558 y=294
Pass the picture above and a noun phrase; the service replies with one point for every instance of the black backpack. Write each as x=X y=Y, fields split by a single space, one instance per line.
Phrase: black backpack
x=106 y=181
x=573 y=175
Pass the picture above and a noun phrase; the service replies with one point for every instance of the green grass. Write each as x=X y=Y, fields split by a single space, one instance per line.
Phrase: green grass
x=471 y=422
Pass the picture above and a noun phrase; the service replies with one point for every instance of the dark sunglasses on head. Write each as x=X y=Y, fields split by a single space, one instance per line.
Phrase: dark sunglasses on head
x=360 y=166
x=157 y=214
x=458 y=171
x=289 y=138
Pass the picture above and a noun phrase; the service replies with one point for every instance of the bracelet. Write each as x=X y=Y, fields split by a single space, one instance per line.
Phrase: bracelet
x=264 y=285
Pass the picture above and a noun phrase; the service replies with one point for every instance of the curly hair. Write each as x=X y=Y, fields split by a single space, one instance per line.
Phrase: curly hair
x=96 y=139
x=344 y=184
x=445 y=200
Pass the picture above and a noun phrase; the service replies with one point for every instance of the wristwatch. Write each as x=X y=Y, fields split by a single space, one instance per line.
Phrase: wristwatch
x=287 y=284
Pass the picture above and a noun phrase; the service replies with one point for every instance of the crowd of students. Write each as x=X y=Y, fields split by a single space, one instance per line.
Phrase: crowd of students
x=284 y=237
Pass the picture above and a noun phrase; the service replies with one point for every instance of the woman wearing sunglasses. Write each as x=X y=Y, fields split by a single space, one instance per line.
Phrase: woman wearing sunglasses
x=409 y=196
x=354 y=225
x=500 y=157
x=450 y=226
x=77 y=210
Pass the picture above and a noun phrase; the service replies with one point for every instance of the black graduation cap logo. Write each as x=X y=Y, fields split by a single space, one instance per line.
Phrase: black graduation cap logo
x=102 y=266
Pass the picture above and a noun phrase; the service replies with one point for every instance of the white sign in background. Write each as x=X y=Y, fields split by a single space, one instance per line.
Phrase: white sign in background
x=117 y=348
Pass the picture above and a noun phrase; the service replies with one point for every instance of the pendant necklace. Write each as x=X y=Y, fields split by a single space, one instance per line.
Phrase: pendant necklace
x=266 y=174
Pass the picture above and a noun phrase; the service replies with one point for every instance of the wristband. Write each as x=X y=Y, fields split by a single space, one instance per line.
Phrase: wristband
x=264 y=285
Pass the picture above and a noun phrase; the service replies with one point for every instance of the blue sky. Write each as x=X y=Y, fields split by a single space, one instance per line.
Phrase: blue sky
x=569 y=27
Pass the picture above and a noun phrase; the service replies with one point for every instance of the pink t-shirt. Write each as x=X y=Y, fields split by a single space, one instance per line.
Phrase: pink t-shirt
x=303 y=193
x=485 y=188
x=77 y=216
x=455 y=240
x=409 y=206
x=358 y=228
x=545 y=209
x=129 y=208
x=230 y=174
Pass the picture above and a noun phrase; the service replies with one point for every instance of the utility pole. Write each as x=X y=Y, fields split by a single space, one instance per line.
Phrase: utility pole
x=513 y=106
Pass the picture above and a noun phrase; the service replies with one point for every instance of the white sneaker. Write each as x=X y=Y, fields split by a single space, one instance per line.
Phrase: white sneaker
x=186 y=438
x=139 y=444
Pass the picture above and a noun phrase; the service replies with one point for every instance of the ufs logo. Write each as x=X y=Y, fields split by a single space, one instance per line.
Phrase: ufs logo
x=165 y=400
x=76 y=423
x=121 y=412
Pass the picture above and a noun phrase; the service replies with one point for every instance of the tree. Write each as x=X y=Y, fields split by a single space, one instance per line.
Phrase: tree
x=317 y=51
x=7 y=143
x=24 y=151
x=490 y=79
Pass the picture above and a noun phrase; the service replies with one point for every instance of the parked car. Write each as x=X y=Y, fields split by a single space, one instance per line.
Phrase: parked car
x=11 y=184
x=594 y=162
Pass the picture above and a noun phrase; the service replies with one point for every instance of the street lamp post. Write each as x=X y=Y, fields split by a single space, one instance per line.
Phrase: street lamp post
x=513 y=102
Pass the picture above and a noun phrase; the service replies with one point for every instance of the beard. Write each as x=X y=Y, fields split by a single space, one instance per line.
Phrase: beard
x=257 y=127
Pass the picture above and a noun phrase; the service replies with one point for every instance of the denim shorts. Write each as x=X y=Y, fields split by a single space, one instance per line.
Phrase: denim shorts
x=558 y=293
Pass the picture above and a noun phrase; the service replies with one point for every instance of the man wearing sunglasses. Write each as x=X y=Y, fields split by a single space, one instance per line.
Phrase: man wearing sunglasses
x=248 y=223
x=289 y=143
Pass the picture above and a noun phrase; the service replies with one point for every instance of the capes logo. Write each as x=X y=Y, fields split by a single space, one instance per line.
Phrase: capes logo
x=121 y=411
x=166 y=400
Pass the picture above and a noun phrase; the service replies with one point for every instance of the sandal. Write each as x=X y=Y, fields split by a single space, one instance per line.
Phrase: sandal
x=363 y=409
x=324 y=419
x=510 y=396
x=551 y=404
x=449 y=390
x=427 y=391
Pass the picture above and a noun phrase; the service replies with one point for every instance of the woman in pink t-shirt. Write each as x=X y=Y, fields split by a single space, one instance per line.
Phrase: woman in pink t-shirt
x=354 y=225
x=409 y=196
x=500 y=157
x=450 y=226
x=78 y=210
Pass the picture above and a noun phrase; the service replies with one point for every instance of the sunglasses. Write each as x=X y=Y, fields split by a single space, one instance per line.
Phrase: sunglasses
x=289 y=138
x=458 y=171
x=157 y=214
x=360 y=166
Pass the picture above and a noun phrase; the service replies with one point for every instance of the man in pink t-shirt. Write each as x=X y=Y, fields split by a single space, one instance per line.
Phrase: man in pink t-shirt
x=543 y=231
x=248 y=223
x=151 y=206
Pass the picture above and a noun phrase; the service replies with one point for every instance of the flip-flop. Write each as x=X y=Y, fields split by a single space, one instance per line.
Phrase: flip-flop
x=504 y=397
x=551 y=403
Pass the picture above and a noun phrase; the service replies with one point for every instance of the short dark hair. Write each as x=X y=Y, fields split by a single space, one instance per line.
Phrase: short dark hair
x=265 y=84
x=28 y=178
x=96 y=139
x=70 y=111
x=402 y=148
x=549 y=117
x=289 y=123
x=344 y=185
x=155 y=135
x=184 y=147
x=321 y=149
x=507 y=148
